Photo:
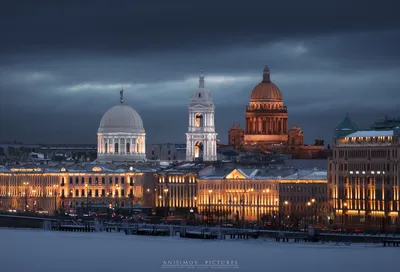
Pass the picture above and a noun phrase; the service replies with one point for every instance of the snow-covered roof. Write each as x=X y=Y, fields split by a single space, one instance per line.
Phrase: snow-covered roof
x=371 y=133
x=285 y=173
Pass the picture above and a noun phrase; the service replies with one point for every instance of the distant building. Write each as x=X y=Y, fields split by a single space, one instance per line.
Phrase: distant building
x=363 y=178
x=201 y=138
x=249 y=194
x=121 y=136
x=346 y=127
x=168 y=152
x=266 y=126
x=386 y=124
x=61 y=187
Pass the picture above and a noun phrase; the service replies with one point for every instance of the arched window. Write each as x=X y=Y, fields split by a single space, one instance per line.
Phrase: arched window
x=128 y=147
x=198 y=149
x=199 y=120
x=116 y=148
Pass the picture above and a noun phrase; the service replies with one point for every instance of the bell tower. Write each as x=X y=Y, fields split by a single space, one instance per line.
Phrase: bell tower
x=201 y=139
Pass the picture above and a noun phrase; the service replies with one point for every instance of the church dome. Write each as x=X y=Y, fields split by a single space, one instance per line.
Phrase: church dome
x=121 y=118
x=266 y=90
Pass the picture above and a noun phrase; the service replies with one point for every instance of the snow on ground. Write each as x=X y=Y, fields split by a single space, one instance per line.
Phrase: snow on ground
x=41 y=251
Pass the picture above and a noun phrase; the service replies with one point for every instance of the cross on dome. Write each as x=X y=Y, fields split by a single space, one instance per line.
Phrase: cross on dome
x=266 y=74
x=201 y=80
x=121 y=95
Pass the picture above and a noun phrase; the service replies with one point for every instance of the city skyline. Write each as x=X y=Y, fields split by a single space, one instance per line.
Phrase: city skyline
x=58 y=76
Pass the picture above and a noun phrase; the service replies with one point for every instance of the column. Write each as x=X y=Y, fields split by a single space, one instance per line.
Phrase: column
x=144 y=145
x=259 y=125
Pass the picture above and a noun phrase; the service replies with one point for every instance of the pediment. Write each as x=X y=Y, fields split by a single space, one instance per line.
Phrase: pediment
x=198 y=106
x=236 y=174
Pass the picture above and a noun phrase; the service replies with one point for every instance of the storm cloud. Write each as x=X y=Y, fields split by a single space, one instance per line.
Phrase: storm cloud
x=62 y=64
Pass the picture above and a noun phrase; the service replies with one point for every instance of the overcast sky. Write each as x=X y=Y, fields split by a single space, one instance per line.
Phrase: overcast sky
x=62 y=63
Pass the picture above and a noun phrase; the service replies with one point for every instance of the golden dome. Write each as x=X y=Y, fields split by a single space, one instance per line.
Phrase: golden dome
x=266 y=90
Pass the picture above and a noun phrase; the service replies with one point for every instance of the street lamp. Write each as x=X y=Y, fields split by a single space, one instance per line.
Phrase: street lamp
x=55 y=186
x=344 y=215
x=25 y=183
x=209 y=206
x=197 y=210
x=166 y=207
x=34 y=201
x=87 y=199
x=242 y=202
x=117 y=193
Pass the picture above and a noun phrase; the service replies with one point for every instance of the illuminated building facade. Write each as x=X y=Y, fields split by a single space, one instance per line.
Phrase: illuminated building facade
x=48 y=189
x=266 y=125
x=266 y=116
x=201 y=138
x=364 y=175
x=251 y=194
x=176 y=188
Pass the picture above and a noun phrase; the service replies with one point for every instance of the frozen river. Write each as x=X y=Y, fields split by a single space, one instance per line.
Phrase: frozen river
x=42 y=251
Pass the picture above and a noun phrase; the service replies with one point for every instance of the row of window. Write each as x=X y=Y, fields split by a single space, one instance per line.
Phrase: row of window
x=98 y=180
x=237 y=186
x=97 y=193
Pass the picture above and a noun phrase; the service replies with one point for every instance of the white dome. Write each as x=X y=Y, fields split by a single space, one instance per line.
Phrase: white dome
x=121 y=118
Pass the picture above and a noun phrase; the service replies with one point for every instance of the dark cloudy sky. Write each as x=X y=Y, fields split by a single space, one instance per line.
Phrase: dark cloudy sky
x=62 y=63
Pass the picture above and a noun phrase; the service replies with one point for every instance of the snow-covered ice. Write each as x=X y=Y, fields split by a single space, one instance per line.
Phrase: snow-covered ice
x=42 y=251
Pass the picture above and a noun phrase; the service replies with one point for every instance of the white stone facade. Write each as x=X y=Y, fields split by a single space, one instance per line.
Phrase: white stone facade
x=121 y=136
x=121 y=147
x=201 y=139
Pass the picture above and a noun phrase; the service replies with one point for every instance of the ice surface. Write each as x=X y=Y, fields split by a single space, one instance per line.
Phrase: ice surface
x=42 y=251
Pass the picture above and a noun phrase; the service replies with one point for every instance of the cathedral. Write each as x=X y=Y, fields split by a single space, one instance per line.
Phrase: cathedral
x=266 y=125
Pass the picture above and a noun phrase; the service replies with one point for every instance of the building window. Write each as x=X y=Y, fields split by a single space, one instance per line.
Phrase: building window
x=83 y=192
x=131 y=182
x=199 y=95
x=116 y=180
x=103 y=192
x=96 y=193
x=90 y=180
x=122 y=180
x=70 y=180
x=76 y=194
x=62 y=182
x=83 y=180
x=116 y=148
x=76 y=180
x=131 y=193
x=96 y=180
x=110 y=180
x=122 y=192
x=116 y=193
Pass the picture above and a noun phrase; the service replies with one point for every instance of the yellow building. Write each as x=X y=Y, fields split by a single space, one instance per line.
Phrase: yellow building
x=176 y=188
x=45 y=190
x=250 y=194
x=364 y=177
